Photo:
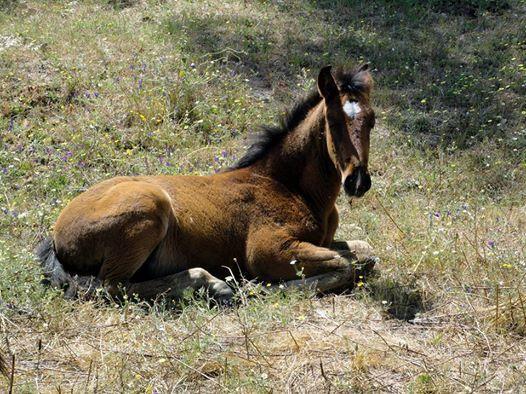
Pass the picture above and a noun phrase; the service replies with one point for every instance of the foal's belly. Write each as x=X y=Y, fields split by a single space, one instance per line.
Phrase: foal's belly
x=203 y=234
x=181 y=252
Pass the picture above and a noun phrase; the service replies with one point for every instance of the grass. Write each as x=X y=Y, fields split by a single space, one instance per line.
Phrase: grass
x=100 y=88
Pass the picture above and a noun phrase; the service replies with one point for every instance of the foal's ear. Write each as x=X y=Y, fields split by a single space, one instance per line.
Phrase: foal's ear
x=362 y=79
x=326 y=84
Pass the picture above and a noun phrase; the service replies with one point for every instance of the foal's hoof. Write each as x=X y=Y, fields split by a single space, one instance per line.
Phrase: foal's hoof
x=361 y=250
x=221 y=293
x=367 y=265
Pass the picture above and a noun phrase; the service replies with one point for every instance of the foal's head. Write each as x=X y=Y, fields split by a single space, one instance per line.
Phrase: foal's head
x=348 y=121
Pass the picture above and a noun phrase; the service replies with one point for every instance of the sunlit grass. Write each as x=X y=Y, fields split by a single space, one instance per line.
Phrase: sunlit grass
x=96 y=89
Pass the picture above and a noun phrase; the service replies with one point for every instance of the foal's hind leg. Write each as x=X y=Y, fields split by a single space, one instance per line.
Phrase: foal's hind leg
x=174 y=286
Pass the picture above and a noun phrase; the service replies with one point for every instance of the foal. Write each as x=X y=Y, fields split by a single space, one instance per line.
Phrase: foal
x=272 y=215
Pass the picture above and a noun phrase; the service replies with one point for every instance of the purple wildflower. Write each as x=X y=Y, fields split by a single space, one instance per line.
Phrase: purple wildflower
x=491 y=243
x=67 y=156
x=140 y=83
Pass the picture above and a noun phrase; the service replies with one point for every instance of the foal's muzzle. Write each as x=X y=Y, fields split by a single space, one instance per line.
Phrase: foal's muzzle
x=357 y=183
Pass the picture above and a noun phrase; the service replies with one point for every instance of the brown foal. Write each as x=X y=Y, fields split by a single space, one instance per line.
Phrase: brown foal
x=272 y=216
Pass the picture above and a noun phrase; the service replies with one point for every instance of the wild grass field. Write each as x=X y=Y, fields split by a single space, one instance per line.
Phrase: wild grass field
x=98 y=88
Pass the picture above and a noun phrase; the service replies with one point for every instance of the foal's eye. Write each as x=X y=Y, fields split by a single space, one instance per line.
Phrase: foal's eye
x=351 y=109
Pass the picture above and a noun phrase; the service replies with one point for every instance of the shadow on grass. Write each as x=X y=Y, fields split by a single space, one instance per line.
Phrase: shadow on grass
x=402 y=302
x=122 y=4
x=8 y=5
x=470 y=8
x=445 y=69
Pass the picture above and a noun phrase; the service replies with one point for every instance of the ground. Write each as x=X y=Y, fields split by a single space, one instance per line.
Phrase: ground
x=97 y=88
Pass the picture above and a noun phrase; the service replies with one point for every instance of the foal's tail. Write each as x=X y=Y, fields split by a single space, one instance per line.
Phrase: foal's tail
x=55 y=276
x=54 y=273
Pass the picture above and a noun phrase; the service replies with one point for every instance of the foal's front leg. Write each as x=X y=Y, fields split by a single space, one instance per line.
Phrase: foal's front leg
x=360 y=250
x=273 y=256
x=362 y=261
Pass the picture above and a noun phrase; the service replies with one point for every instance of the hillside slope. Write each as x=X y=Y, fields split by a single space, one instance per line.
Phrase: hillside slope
x=100 y=88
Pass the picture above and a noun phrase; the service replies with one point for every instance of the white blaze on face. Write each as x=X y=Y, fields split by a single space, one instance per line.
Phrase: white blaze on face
x=352 y=109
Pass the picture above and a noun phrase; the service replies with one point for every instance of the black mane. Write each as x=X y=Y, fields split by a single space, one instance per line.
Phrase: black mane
x=270 y=136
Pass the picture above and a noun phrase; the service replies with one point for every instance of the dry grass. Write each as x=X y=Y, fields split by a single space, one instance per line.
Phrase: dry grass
x=294 y=343
x=3 y=365
x=141 y=87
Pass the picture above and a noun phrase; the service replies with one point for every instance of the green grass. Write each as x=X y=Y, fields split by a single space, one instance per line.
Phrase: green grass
x=96 y=89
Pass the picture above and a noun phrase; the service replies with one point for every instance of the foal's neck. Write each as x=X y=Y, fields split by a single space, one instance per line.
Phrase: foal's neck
x=301 y=162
